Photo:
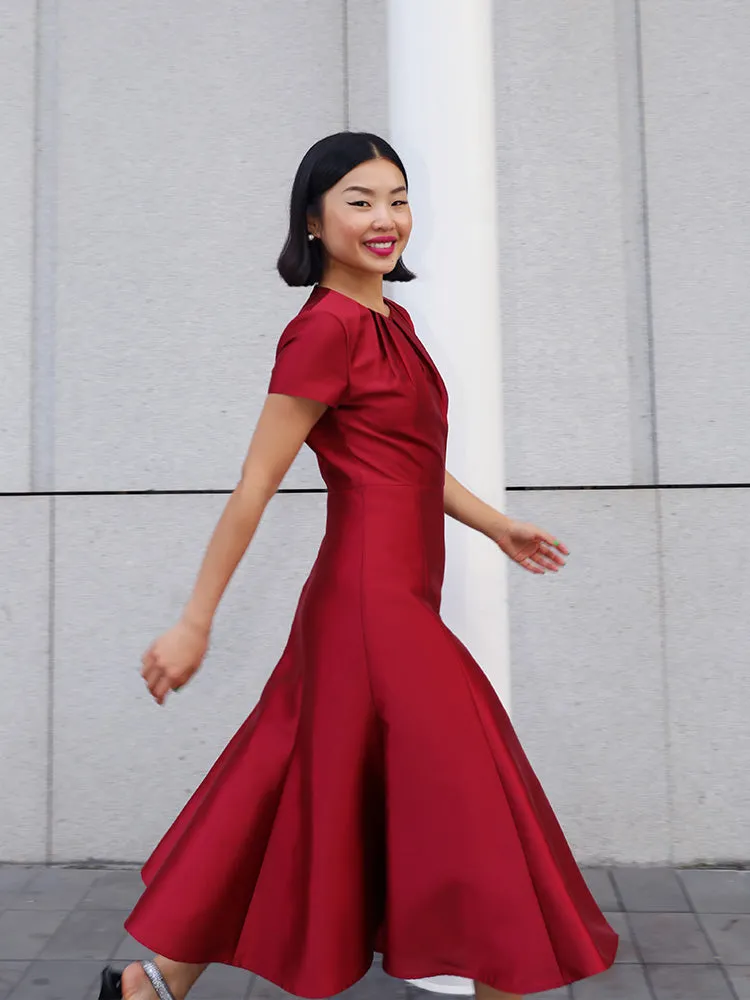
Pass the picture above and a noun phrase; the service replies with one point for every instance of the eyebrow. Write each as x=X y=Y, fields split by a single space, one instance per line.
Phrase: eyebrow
x=364 y=190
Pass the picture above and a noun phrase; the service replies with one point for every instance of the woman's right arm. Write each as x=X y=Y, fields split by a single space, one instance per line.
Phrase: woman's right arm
x=282 y=428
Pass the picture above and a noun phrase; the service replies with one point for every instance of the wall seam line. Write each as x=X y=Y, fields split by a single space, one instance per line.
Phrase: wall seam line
x=51 y=681
x=635 y=256
x=648 y=276
x=669 y=775
x=44 y=241
x=345 y=62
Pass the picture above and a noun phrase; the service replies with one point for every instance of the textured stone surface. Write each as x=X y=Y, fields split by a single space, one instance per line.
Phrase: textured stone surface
x=367 y=83
x=175 y=176
x=696 y=85
x=125 y=567
x=651 y=889
x=561 y=216
x=707 y=594
x=17 y=115
x=588 y=676
x=718 y=891
x=677 y=953
x=24 y=671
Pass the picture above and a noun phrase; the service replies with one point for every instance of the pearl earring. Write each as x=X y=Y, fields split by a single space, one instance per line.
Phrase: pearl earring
x=311 y=236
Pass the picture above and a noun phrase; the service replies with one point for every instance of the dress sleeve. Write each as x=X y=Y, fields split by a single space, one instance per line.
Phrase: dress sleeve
x=312 y=359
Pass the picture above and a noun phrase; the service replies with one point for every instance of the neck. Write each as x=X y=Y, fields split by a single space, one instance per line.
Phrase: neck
x=366 y=289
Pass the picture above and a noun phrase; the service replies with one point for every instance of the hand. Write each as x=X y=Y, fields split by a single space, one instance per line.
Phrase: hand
x=535 y=550
x=173 y=658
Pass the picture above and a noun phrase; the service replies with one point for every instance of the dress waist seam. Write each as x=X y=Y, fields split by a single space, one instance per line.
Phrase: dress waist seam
x=360 y=487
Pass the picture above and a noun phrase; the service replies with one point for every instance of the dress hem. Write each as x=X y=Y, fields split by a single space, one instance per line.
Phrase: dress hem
x=404 y=973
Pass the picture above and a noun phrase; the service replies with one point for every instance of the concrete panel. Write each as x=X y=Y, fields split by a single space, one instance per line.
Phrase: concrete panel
x=697 y=102
x=181 y=126
x=24 y=638
x=125 y=567
x=707 y=587
x=587 y=671
x=562 y=226
x=367 y=66
x=17 y=22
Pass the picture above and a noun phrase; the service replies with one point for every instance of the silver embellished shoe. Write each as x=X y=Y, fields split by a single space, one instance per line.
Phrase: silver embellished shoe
x=111 y=988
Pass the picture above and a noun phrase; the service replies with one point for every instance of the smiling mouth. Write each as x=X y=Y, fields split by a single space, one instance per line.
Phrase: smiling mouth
x=383 y=248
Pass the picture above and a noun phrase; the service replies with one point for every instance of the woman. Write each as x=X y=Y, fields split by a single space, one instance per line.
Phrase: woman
x=377 y=798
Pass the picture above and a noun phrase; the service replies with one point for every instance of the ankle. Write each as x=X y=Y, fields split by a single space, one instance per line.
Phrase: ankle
x=180 y=976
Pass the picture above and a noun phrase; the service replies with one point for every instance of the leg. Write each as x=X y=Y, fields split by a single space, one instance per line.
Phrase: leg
x=484 y=992
x=179 y=976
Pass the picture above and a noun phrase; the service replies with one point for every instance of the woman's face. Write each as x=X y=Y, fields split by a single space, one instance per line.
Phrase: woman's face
x=366 y=219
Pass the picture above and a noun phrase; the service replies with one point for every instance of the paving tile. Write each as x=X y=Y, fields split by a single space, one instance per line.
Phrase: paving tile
x=13 y=878
x=130 y=950
x=114 y=890
x=55 y=889
x=59 y=980
x=222 y=982
x=563 y=994
x=86 y=934
x=378 y=984
x=689 y=982
x=412 y=992
x=654 y=890
x=626 y=950
x=10 y=975
x=740 y=977
x=23 y=933
x=621 y=982
x=718 y=891
x=671 y=939
x=16 y=876
x=730 y=935
x=263 y=990
x=600 y=884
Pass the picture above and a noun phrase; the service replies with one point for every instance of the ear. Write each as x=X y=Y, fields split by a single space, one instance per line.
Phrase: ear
x=313 y=225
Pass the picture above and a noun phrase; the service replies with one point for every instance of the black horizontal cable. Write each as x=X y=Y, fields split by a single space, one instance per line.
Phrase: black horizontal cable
x=620 y=487
x=631 y=486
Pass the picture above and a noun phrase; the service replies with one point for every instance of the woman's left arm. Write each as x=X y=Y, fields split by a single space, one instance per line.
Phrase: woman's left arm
x=531 y=547
x=464 y=506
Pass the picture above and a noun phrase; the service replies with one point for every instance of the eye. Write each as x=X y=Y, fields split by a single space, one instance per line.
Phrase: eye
x=401 y=203
x=358 y=203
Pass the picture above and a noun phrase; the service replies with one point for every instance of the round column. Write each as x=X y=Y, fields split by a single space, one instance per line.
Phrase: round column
x=441 y=107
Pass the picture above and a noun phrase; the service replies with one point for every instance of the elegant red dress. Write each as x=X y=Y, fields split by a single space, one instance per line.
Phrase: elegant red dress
x=377 y=797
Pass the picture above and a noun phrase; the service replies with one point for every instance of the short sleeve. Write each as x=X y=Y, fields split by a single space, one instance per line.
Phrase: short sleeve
x=312 y=358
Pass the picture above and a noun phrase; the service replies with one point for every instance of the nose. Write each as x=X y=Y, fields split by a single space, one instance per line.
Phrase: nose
x=383 y=220
x=384 y=225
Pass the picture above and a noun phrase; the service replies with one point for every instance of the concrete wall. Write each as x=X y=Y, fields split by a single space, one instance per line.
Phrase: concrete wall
x=623 y=146
x=139 y=240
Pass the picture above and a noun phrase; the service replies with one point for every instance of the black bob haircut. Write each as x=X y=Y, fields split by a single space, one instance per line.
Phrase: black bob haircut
x=322 y=166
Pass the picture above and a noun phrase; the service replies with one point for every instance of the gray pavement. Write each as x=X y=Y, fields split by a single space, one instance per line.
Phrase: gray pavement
x=685 y=936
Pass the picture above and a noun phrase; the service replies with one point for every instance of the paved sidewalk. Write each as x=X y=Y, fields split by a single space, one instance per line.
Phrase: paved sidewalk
x=685 y=936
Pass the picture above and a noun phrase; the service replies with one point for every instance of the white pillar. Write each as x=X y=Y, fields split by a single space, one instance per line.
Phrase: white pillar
x=441 y=106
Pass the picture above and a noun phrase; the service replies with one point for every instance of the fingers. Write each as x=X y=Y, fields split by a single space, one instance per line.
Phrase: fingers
x=552 y=554
x=151 y=672
x=154 y=676
x=530 y=565
x=554 y=543
x=158 y=678
x=158 y=683
x=550 y=560
x=148 y=660
x=542 y=560
x=546 y=564
x=161 y=689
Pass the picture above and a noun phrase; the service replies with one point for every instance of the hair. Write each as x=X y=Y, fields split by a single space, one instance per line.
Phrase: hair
x=323 y=165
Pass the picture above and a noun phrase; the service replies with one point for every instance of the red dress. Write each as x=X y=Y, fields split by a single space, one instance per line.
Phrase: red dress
x=377 y=797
